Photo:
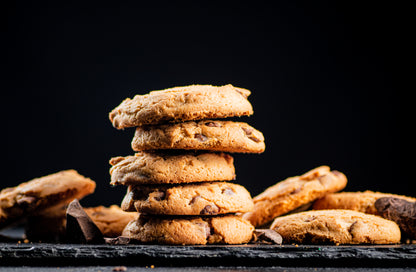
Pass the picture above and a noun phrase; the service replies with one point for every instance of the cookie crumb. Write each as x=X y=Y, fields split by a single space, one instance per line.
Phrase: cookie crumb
x=25 y=241
x=152 y=266
x=120 y=268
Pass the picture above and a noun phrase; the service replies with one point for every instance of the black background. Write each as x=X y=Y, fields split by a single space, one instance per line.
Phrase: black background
x=321 y=76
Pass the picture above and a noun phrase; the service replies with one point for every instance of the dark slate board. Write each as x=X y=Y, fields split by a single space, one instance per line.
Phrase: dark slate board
x=210 y=255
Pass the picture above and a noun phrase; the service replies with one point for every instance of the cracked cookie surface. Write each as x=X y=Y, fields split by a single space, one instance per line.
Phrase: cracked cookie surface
x=171 y=167
x=294 y=192
x=179 y=104
x=38 y=195
x=227 y=229
x=357 y=201
x=189 y=199
x=336 y=227
x=214 y=135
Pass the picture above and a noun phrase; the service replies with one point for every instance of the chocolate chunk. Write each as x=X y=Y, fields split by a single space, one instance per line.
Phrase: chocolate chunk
x=247 y=131
x=267 y=236
x=401 y=211
x=212 y=124
x=194 y=199
x=120 y=240
x=158 y=195
x=201 y=137
x=210 y=210
x=79 y=226
x=227 y=191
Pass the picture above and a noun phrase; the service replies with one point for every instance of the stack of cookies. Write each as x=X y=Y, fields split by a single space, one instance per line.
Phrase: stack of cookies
x=177 y=180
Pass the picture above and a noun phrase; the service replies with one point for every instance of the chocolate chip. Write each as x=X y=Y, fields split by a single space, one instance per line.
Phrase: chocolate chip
x=227 y=191
x=212 y=124
x=247 y=131
x=297 y=190
x=210 y=210
x=194 y=199
x=158 y=195
x=267 y=236
x=309 y=219
x=253 y=138
x=399 y=210
x=201 y=137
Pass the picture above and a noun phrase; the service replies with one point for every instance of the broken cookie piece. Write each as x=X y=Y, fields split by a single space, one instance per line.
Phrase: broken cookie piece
x=39 y=195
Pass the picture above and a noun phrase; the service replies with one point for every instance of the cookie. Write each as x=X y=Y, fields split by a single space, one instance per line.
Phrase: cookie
x=189 y=199
x=171 y=167
x=336 y=227
x=401 y=211
x=294 y=192
x=228 y=229
x=226 y=136
x=112 y=220
x=193 y=102
x=357 y=201
x=36 y=196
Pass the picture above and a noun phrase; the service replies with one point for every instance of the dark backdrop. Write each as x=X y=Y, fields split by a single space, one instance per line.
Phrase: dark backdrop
x=321 y=76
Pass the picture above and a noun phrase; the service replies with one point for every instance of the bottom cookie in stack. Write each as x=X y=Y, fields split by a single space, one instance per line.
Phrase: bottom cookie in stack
x=195 y=213
x=181 y=230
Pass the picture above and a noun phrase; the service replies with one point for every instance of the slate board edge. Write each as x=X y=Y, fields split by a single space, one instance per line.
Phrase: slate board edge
x=247 y=255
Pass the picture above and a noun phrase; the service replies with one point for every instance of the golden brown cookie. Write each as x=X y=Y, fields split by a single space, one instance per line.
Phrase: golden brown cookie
x=36 y=196
x=228 y=229
x=336 y=226
x=171 y=167
x=193 y=102
x=188 y=199
x=357 y=201
x=112 y=220
x=294 y=192
x=214 y=135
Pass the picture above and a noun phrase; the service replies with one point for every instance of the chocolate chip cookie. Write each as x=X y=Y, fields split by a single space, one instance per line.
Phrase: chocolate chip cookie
x=357 y=201
x=336 y=227
x=193 y=102
x=112 y=220
x=214 y=135
x=294 y=192
x=228 y=229
x=188 y=199
x=36 y=196
x=171 y=167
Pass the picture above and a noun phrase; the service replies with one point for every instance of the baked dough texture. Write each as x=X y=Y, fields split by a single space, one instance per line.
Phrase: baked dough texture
x=294 y=192
x=357 y=201
x=336 y=227
x=38 y=195
x=228 y=229
x=193 y=102
x=188 y=199
x=214 y=135
x=171 y=167
x=110 y=220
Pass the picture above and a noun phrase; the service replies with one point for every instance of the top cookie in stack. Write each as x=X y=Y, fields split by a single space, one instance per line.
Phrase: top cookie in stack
x=180 y=163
